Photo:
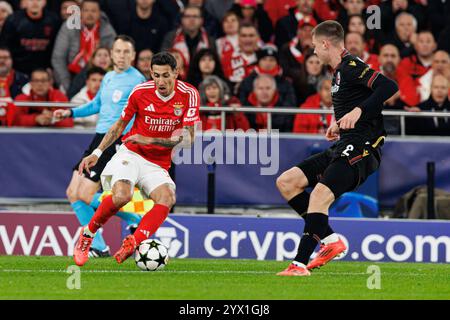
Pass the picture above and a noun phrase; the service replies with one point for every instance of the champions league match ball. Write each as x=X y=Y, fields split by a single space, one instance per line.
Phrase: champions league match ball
x=151 y=255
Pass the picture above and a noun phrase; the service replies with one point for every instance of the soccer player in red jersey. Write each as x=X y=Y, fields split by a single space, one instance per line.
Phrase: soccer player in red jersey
x=165 y=111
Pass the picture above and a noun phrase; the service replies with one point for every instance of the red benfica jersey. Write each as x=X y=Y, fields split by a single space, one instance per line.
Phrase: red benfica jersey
x=371 y=60
x=236 y=67
x=159 y=117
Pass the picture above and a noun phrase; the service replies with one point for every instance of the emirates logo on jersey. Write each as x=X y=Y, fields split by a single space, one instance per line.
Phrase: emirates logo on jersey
x=160 y=124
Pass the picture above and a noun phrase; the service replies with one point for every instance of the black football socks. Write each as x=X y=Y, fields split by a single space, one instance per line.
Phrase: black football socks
x=300 y=204
x=315 y=228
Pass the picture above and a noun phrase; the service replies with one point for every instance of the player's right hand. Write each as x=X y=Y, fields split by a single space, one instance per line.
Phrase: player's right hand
x=332 y=133
x=61 y=114
x=87 y=163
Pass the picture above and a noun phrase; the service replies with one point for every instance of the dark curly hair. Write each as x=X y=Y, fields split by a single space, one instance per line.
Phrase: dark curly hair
x=164 y=58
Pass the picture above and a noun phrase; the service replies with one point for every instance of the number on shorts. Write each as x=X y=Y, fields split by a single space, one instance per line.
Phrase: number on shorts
x=348 y=149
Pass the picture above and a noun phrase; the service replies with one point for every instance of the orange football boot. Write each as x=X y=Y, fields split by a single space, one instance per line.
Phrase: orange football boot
x=294 y=270
x=327 y=253
x=81 y=251
x=126 y=250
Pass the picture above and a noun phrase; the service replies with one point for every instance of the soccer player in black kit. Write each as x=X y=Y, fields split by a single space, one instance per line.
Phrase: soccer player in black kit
x=358 y=94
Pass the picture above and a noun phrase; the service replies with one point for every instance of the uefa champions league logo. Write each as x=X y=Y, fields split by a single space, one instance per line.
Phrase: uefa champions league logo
x=175 y=237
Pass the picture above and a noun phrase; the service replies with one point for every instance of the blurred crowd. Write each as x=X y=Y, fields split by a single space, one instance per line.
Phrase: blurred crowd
x=254 y=53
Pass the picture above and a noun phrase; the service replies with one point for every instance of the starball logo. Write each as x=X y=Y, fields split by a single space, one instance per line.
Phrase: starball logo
x=175 y=237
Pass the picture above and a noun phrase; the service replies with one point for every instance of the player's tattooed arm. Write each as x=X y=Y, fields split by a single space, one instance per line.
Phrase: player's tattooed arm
x=113 y=134
x=142 y=140
x=186 y=136
x=168 y=143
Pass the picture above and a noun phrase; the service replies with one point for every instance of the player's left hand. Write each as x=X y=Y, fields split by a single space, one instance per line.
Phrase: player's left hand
x=138 y=139
x=332 y=133
x=349 y=120
x=87 y=163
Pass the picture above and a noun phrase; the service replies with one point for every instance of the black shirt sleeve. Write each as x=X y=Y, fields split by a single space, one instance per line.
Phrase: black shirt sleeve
x=383 y=89
x=359 y=73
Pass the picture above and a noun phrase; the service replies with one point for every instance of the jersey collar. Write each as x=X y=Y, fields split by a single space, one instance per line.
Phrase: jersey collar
x=344 y=54
x=165 y=99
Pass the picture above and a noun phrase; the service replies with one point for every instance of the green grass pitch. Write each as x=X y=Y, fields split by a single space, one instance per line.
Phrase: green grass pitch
x=46 y=278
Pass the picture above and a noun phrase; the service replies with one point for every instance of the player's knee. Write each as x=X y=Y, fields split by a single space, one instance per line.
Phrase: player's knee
x=167 y=198
x=121 y=197
x=321 y=194
x=84 y=196
x=288 y=182
x=284 y=182
x=72 y=194
x=281 y=182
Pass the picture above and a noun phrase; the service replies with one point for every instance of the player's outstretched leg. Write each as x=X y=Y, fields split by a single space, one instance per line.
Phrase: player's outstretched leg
x=164 y=197
x=316 y=225
x=109 y=207
x=331 y=246
x=292 y=184
x=132 y=219
x=80 y=189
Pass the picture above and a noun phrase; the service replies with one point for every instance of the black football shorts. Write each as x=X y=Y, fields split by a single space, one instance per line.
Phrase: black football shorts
x=97 y=170
x=343 y=167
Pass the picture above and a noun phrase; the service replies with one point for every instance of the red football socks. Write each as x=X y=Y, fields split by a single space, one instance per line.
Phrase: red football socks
x=151 y=222
x=105 y=210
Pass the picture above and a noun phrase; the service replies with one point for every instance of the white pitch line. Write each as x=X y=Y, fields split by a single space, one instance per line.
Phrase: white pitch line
x=317 y=273
x=133 y=271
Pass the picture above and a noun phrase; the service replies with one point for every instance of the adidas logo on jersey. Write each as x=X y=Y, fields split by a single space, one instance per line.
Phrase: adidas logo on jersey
x=146 y=233
x=150 y=108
